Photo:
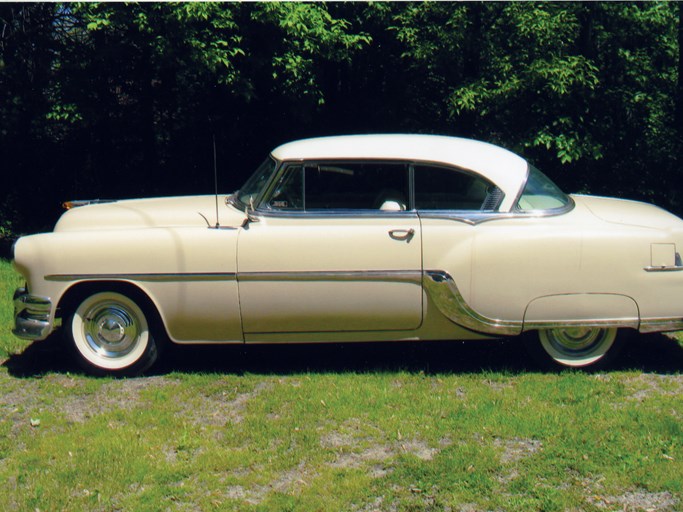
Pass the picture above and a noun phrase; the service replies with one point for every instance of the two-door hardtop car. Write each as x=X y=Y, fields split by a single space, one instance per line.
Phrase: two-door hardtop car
x=357 y=238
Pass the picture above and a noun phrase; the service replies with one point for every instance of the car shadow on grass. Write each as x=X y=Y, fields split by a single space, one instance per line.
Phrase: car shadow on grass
x=652 y=353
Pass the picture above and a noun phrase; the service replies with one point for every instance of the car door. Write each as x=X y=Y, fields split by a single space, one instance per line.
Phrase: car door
x=453 y=204
x=332 y=247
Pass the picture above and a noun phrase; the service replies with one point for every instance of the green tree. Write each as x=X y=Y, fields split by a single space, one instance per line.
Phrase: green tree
x=116 y=100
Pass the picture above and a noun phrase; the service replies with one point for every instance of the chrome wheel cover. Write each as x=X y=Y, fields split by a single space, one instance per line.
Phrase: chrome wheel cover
x=110 y=330
x=577 y=346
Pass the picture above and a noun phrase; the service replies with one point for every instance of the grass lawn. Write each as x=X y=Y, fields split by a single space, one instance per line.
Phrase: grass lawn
x=386 y=427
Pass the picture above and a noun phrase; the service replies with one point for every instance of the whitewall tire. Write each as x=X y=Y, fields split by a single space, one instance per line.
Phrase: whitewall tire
x=111 y=334
x=576 y=347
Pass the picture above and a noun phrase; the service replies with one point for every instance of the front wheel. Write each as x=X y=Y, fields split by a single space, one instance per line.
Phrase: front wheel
x=111 y=335
x=575 y=347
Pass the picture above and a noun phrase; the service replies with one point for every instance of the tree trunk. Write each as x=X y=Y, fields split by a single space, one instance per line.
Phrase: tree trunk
x=679 y=85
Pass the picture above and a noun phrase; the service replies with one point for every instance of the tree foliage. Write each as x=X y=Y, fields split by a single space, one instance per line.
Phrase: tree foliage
x=120 y=100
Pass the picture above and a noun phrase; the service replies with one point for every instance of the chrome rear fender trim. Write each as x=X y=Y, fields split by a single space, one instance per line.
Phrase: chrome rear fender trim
x=619 y=323
x=648 y=325
x=445 y=294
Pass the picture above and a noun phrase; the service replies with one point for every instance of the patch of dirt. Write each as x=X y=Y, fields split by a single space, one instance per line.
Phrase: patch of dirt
x=638 y=501
x=237 y=492
x=25 y=401
x=338 y=440
x=218 y=410
x=468 y=507
x=460 y=393
x=170 y=454
x=517 y=448
x=648 y=384
x=376 y=457
x=514 y=450
x=498 y=385
x=287 y=483
x=124 y=394
x=17 y=405
x=379 y=471
x=634 y=501
x=445 y=442
x=377 y=504
x=377 y=453
x=420 y=449
x=289 y=480
x=22 y=403
x=507 y=477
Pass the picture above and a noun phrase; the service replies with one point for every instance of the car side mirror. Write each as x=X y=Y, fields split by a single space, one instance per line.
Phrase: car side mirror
x=249 y=211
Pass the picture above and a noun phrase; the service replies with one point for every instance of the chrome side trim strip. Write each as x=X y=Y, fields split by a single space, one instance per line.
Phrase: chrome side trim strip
x=672 y=268
x=32 y=322
x=401 y=276
x=619 y=323
x=191 y=276
x=445 y=294
x=649 y=325
x=407 y=276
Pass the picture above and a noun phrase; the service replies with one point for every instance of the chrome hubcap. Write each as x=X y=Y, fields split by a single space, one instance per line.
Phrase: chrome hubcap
x=576 y=340
x=111 y=330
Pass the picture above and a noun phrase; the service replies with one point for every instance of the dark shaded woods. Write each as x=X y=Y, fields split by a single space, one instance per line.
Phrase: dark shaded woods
x=117 y=101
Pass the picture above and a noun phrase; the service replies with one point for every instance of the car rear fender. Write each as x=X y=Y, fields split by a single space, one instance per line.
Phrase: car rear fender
x=584 y=309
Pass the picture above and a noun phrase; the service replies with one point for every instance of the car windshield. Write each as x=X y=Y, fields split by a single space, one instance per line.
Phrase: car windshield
x=254 y=186
x=540 y=193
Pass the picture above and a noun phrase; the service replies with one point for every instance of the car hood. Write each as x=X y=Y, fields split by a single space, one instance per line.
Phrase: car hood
x=629 y=213
x=186 y=211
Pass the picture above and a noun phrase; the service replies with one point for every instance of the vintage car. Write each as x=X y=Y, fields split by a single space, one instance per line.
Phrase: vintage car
x=357 y=238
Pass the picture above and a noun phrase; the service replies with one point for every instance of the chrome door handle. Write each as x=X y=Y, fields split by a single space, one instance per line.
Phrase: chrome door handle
x=402 y=234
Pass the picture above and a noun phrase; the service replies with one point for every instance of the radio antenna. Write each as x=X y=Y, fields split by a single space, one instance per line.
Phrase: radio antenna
x=215 y=178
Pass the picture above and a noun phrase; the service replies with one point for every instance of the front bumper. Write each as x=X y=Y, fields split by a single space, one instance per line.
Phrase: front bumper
x=31 y=315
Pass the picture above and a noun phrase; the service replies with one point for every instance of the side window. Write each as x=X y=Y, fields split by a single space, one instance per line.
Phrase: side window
x=288 y=193
x=342 y=186
x=443 y=188
x=356 y=186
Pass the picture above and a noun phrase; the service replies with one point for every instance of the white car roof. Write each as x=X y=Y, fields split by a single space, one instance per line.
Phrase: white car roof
x=502 y=167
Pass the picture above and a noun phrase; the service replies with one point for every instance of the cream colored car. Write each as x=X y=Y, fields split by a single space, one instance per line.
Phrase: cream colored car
x=357 y=238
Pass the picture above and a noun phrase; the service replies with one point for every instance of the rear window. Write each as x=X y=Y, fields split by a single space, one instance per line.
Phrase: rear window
x=540 y=193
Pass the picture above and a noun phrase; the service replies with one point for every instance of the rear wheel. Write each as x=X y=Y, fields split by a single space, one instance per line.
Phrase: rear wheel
x=111 y=335
x=575 y=347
